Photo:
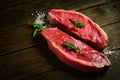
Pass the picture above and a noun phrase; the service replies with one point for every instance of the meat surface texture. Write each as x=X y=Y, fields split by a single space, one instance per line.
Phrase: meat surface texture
x=91 y=33
x=88 y=60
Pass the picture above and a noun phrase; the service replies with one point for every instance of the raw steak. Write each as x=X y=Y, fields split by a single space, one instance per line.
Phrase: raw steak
x=88 y=60
x=90 y=33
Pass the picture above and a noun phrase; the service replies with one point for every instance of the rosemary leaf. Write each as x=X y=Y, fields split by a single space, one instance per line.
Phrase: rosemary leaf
x=76 y=23
x=70 y=46
x=37 y=27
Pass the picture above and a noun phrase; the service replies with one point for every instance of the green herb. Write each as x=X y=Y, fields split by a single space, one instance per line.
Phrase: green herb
x=37 y=27
x=71 y=47
x=77 y=24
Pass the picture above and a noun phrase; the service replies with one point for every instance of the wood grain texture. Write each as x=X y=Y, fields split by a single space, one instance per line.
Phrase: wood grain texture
x=21 y=13
x=11 y=3
x=66 y=73
x=105 y=13
x=113 y=31
x=37 y=60
x=8 y=4
x=25 y=58
x=18 y=37
x=40 y=63
x=27 y=62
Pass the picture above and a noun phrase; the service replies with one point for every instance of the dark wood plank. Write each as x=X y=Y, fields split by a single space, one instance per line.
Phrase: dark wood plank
x=27 y=62
x=20 y=14
x=10 y=3
x=40 y=60
x=66 y=73
x=38 y=63
x=113 y=31
x=30 y=59
x=19 y=37
x=104 y=14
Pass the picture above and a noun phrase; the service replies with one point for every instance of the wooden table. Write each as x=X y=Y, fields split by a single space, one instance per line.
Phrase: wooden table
x=25 y=58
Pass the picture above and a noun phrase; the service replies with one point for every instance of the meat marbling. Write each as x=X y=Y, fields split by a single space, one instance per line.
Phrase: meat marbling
x=89 y=60
x=91 y=33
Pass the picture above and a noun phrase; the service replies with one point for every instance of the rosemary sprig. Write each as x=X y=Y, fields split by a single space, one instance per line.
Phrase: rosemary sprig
x=76 y=23
x=37 y=27
x=70 y=46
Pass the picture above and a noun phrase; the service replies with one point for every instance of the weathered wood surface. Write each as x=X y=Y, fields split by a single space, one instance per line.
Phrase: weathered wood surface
x=21 y=13
x=25 y=58
x=11 y=3
x=66 y=73
x=23 y=32
x=28 y=62
x=40 y=59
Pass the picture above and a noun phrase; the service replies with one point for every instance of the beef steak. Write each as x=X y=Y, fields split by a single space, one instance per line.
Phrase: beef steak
x=90 y=33
x=88 y=60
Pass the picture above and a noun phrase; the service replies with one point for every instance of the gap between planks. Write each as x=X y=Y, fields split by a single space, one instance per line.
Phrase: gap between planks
x=27 y=2
x=17 y=4
x=35 y=73
x=36 y=45
x=23 y=11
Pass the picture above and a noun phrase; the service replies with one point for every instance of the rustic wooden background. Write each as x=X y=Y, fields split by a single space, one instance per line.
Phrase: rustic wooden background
x=25 y=58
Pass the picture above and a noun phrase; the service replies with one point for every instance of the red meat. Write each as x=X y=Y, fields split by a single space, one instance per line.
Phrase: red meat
x=88 y=60
x=90 y=33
